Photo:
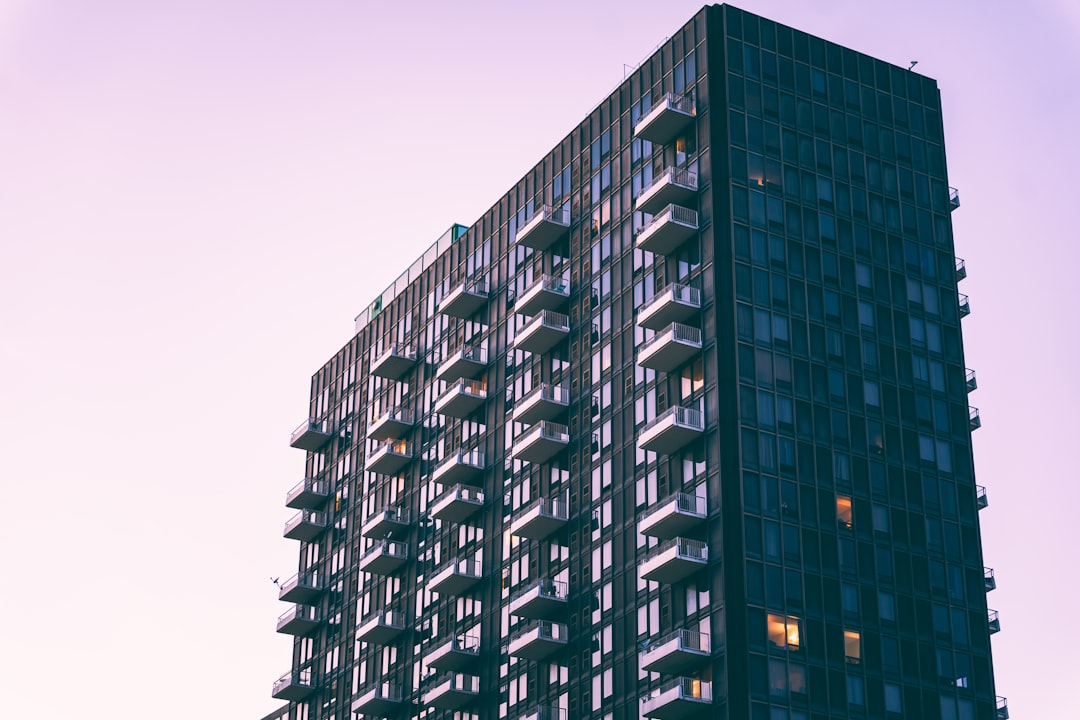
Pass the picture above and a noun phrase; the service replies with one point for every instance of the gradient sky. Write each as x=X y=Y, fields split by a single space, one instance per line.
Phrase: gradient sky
x=197 y=197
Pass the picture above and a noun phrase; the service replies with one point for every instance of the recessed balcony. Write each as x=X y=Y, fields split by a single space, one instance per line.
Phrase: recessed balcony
x=974 y=419
x=547 y=402
x=394 y=362
x=452 y=691
x=299 y=620
x=462 y=398
x=679 y=699
x=546 y=330
x=391 y=424
x=456 y=577
x=381 y=628
x=676 y=652
x=545 y=712
x=540 y=518
x=467 y=362
x=546 y=226
x=385 y=522
x=293 y=686
x=465 y=300
x=380 y=701
x=457 y=504
x=676 y=303
x=456 y=653
x=671 y=430
x=541 y=442
x=989 y=581
x=964 y=305
x=547 y=293
x=668 y=230
x=304 y=588
x=675 y=515
x=543 y=599
x=667 y=117
x=540 y=640
x=993 y=622
x=305 y=525
x=981 y=500
x=675 y=560
x=970 y=383
x=1001 y=709
x=670 y=348
x=961 y=269
x=675 y=186
x=384 y=558
x=308 y=494
x=310 y=436
x=954 y=199
x=463 y=466
x=389 y=457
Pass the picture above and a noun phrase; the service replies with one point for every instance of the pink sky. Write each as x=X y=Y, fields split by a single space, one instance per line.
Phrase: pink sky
x=197 y=197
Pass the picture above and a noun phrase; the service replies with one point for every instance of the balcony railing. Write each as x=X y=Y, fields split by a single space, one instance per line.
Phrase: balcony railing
x=381 y=628
x=391 y=424
x=462 y=398
x=311 y=435
x=1001 y=708
x=670 y=348
x=388 y=458
x=675 y=303
x=964 y=305
x=974 y=420
x=680 y=698
x=394 y=362
x=460 y=466
x=466 y=299
x=541 y=442
x=539 y=640
x=546 y=402
x=301 y=588
x=541 y=599
x=954 y=198
x=672 y=429
x=308 y=494
x=981 y=500
x=961 y=269
x=383 y=522
x=674 y=560
x=299 y=620
x=305 y=525
x=451 y=691
x=379 y=701
x=468 y=362
x=969 y=380
x=668 y=230
x=545 y=712
x=547 y=293
x=545 y=330
x=989 y=581
x=456 y=577
x=673 y=186
x=457 y=653
x=384 y=558
x=294 y=685
x=457 y=504
x=673 y=516
x=540 y=518
x=993 y=622
x=668 y=115
x=676 y=651
x=545 y=227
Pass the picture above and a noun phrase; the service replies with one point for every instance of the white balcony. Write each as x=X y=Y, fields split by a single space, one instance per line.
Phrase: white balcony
x=310 y=436
x=675 y=186
x=668 y=230
x=671 y=430
x=540 y=640
x=540 y=518
x=381 y=701
x=676 y=652
x=467 y=362
x=303 y=588
x=391 y=424
x=465 y=300
x=546 y=330
x=384 y=558
x=679 y=699
x=456 y=653
x=394 y=362
x=457 y=504
x=299 y=620
x=389 y=457
x=541 y=442
x=305 y=525
x=293 y=686
x=675 y=303
x=667 y=117
x=463 y=466
x=381 y=628
x=456 y=577
x=543 y=599
x=675 y=560
x=673 y=516
x=670 y=348
x=385 y=522
x=462 y=398
x=452 y=691
x=547 y=402
x=546 y=226
x=547 y=293
x=308 y=494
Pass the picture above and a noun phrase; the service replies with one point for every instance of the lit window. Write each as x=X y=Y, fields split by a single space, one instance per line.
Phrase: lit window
x=843 y=511
x=852 y=646
x=785 y=631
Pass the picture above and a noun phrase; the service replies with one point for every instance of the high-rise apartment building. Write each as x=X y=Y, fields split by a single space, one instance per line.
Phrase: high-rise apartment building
x=678 y=428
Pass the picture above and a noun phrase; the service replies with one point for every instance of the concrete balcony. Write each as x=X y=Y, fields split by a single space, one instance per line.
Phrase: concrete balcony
x=391 y=424
x=993 y=622
x=675 y=303
x=385 y=558
x=456 y=577
x=389 y=458
x=299 y=620
x=547 y=402
x=675 y=186
x=547 y=293
x=981 y=499
x=457 y=504
x=540 y=640
x=463 y=466
x=308 y=494
x=465 y=300
x=546 y=226
x=545 y=712
x=541 y=442
x=679 y=699
x=541 y=600
x=673 y=516
x=305 y=525
x=676 y=652
x=540 y=518
x=462 y=398
x=668 y=116
x=385 y=522
x=670 y=348
x=394 y=362
x=672 y=429
x=381 y=701
x=310 y=436
x=668 y=230
x=467 y=362
x=304 y=588
x=989 y=581
x=382 y=628
x=456 y=653
x=675 y=560
x=546 y=330
x=293 y=686
x=452 y=691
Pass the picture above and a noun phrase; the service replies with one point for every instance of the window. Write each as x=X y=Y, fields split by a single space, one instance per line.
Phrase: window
x=784 y=631
x=853 y=646
x=843 y=511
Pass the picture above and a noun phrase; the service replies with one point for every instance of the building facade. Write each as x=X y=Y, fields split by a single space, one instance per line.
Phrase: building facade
x=678 y=428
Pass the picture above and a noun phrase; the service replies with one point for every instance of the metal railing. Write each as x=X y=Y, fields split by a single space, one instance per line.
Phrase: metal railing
x=548 y=283
x=401 y=351
x=391 y=447
x=671 y=101
x=306 y=485
x=954 y=198
x=394 y=414
x=545 y=712
x=300 y=678
x=683 y=416
x=684 y=639
x=547 y=507
x=684 y=548
x=675 y=176
x=673 y=332
x=475 y=388
x=961 y=269
x=687 y=688
x=298 y=612
x=311 y=517
x=389 y=513
x=387 y=548
x=456 y=681
x=311 y=424
x=672 y=213
x=981 y=500
x=465 y=493
x=387 y=618
x=468 y=567
x=544 y=430
x=473 y=458
x=547 y=393
x=684 y=503
x=544 y=588
x=969 y=380
x=308 y=581
x=472 y=353
x=547 y=318
x=974 y=419
x=391 y=692
x=546 y=213
x=964 y=305
x=989 y=581
x=480 y=287
x=542 y=630
x=674 y=292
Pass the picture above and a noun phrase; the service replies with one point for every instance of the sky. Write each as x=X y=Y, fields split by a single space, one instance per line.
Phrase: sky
x=196 y=198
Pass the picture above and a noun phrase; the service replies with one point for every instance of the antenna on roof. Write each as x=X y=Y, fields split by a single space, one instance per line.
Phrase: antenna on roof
x=913 y=64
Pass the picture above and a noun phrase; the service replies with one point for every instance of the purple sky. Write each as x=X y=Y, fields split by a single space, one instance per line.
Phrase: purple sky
x=197 y=197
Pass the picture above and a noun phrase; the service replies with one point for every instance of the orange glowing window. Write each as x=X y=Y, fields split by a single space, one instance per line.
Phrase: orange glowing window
x=853 y=646
x=784 y=631
x=843 y=511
